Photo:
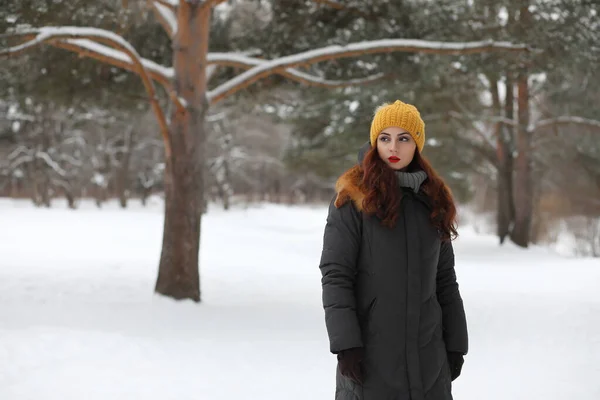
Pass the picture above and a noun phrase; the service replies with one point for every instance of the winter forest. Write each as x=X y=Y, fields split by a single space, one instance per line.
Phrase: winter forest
x=166 y=167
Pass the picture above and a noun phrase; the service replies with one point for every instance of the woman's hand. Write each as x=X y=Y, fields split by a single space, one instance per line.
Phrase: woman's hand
x=456 y=361
x=350 y=363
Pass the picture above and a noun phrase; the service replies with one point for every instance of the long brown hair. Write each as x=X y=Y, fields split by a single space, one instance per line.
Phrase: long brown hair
x=382 y=197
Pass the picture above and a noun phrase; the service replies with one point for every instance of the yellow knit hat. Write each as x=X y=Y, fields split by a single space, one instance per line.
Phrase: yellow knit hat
x=402 y=115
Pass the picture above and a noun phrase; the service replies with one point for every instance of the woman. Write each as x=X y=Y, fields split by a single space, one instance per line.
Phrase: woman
x=393 y=312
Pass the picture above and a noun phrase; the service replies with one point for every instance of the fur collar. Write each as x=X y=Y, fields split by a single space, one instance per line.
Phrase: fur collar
x=349 y=187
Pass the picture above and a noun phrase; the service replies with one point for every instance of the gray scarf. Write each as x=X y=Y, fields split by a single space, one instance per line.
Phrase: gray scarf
x=411 y=180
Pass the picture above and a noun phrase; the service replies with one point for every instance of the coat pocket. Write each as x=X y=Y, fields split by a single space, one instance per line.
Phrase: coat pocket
x=366 y=317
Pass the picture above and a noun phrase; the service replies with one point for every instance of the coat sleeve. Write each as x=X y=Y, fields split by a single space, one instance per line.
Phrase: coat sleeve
x=341 y=244
x=454 y=320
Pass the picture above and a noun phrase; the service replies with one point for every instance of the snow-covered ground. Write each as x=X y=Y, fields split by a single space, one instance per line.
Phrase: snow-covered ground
x=79 y=320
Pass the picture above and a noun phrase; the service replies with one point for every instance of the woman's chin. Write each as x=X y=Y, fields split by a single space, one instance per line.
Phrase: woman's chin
x=396 y=166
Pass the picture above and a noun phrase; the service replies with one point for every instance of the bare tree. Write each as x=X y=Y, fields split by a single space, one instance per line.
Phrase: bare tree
x=187 y=22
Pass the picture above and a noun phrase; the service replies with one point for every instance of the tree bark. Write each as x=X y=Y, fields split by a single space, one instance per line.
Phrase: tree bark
x=523 y=190
x=122 y=173
x=504 y=139
x=523 y=195
x=178 y=275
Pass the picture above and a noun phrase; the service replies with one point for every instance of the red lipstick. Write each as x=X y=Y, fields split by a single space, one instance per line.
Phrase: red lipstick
x=393 y=159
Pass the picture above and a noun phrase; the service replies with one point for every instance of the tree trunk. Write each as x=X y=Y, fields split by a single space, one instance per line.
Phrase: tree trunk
x=178 y=275
x=520 y=234
x=122 y=173
x=226 y=188
x=145 y=195
x=504 y=139
x=70 y=196
x=523 y=190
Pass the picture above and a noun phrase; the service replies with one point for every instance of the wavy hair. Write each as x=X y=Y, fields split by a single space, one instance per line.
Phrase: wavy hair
x=382 y=194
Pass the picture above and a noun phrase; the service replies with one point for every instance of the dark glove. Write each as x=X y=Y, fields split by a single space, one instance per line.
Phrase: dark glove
x=350 y=363
x=455 y=361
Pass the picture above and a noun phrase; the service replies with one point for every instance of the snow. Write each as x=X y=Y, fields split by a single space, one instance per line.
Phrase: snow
x=308 y=78
x=121 y=56
x=16 y=126
x=74 y=35
x=168 y=15
x=365 y=47
x=49 y=32
x=22 y=155
x=80 y=320
x=565 y=120
x=171 y=3
x=503 y=16
x=51 y=163
x=353 y=106
x=244 y=60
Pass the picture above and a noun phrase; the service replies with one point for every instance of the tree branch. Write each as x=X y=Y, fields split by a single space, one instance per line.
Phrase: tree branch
x=106 y=54
x=50 y=34
x=565 y=120
x=172 y=4
x=165 y=15
x=157 y=72
x=245 y=62
x=355 y=49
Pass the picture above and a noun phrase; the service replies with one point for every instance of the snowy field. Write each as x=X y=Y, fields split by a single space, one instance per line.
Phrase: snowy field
x=79 y=320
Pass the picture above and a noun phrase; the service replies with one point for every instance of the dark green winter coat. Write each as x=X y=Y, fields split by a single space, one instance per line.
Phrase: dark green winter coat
x=392 y=291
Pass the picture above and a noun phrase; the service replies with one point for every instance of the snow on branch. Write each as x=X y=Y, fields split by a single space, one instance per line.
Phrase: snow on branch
x=166 y=16
x=565 y=120
x=20 y=150
x=22 y=155
x=356 y=49
x=52 y=34
x=168 y=3
x=157 y=72
x=71 y=160
x=51 y=163
x=214 y=3
x=316 y=81
x=89 y=48
x=47 y=34
x=242 y=61
x=17 y=162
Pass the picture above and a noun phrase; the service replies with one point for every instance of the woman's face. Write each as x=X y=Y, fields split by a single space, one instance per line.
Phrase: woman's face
x=396 y=147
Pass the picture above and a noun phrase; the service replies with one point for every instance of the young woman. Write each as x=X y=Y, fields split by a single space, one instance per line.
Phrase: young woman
x=393 y=311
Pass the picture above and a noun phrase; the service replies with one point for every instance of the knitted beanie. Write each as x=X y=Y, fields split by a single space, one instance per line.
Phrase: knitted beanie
x=402 y=115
